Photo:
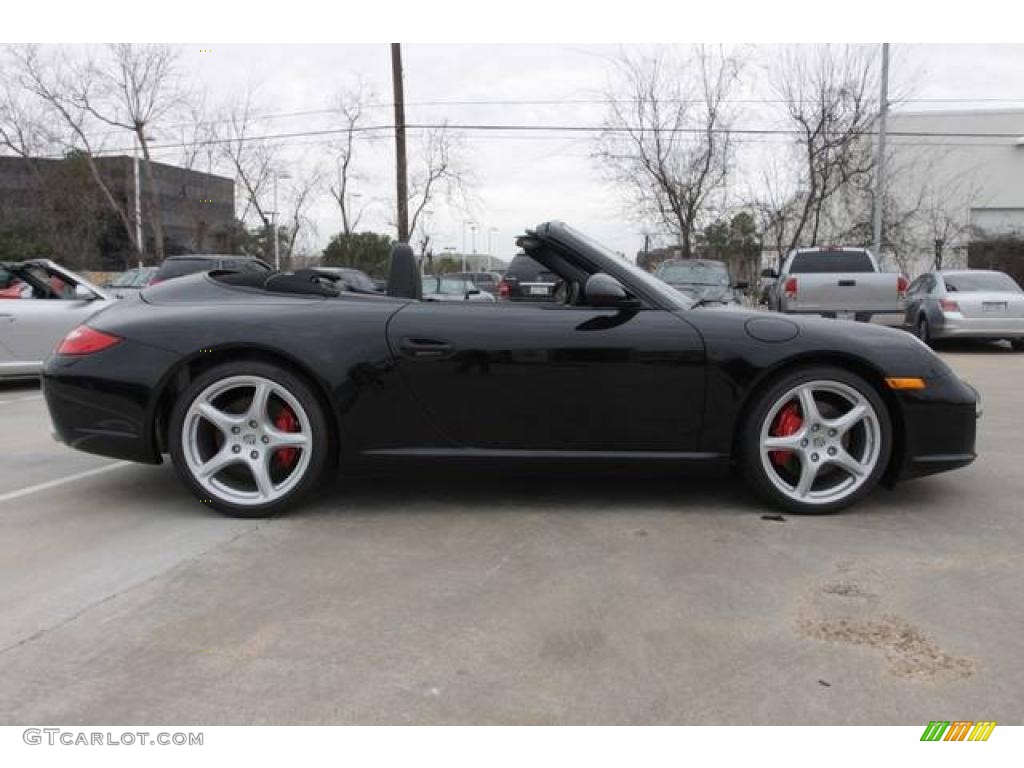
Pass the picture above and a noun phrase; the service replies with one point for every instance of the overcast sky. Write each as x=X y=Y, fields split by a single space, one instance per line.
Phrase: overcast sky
x=521 y=179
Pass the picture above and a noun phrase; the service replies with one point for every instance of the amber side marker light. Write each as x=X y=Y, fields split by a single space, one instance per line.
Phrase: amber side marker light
x=905 y=383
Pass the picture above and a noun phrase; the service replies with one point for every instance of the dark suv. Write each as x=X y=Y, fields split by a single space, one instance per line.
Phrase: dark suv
x=187 y=264
x=527 y=280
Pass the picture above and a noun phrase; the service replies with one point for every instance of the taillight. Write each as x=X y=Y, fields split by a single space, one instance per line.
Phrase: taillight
x=790 y=287
x=85 y=340
x=504 y=289
x=901 y=286
x=948 y=305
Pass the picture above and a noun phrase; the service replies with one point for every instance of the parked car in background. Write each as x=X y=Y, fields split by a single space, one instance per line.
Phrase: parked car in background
x=355 y=280
x=833 y=281
x=187 y=264
x=40 y=302
x=449 y=288
x=130 y=282
x=976 y=304
x=485 y=281
x=704 y=280
x=527 y=280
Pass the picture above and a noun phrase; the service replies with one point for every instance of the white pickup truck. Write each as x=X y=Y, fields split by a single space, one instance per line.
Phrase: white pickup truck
x=836 y=282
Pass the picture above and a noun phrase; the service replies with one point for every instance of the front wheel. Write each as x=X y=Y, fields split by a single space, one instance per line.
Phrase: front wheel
x=249 y=438
x=816 y=441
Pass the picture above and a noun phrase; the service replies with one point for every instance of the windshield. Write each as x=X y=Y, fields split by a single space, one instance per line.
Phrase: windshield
x=653 y=285
x=693 y=273
x=448 y=285
x=133 y=278
x=360 y=281
x=980 y=281
x=178 y=267
x=830 y=262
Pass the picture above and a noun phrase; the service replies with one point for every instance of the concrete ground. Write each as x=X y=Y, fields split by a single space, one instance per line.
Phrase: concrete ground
x=124 y=601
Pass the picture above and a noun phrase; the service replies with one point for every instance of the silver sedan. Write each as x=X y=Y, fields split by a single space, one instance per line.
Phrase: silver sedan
x=976 y=304
x=40 y=302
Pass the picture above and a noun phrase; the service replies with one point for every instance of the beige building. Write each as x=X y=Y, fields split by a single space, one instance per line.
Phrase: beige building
x=964 y=172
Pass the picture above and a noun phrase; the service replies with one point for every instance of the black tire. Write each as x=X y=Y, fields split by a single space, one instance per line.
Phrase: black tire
x=749 y=446
x=1017 y=344
x=923 y=331
x=319 y=437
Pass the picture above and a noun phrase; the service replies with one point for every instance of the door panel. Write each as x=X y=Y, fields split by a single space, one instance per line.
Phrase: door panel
x=540 y=376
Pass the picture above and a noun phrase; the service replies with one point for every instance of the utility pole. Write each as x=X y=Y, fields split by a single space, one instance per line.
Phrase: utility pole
x=402 y=189
x=277 y=240
x=883 y=110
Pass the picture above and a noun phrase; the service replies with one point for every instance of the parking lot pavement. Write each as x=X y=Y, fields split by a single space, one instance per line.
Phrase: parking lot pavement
x=123 y=601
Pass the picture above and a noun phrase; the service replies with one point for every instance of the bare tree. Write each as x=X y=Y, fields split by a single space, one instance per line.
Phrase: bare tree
x=438 y=170
x=50 y=80
x=945 y=214
x=829 y=97
x=351 y=107
x=253 y=161
x=132 y=87
x=302 y=192
x=666 y=136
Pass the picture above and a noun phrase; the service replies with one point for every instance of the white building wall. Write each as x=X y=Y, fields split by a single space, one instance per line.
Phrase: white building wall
x=968 y=167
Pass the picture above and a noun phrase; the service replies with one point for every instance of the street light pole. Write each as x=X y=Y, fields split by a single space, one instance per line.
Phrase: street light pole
x=464 y=223
x=472 y=228
x=883 y=110
x=138 y=197
x=490 y=251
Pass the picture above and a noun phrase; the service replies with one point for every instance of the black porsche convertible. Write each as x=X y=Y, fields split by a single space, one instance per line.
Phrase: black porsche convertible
x=257 y=385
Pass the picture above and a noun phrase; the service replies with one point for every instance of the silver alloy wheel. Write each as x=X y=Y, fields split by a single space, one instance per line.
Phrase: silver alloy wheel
x=229 y=440
x=836 y=454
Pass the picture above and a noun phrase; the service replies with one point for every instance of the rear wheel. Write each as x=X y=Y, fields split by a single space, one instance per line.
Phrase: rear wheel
x=924 y=332
x=816 y=441
x=249 y=438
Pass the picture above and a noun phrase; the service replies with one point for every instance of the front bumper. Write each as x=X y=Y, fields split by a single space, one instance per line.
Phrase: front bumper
x=940 y=427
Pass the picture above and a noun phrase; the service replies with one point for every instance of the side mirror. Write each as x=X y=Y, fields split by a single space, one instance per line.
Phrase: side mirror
x=769 y=273
x=741 y=285
x=603 y=290
x=84 y=294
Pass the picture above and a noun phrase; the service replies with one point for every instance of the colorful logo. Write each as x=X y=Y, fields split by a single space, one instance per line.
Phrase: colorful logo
x=958 y=730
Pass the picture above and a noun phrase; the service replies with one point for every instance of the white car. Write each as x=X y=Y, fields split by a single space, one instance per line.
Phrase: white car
x=446 y=288
x=40 y=302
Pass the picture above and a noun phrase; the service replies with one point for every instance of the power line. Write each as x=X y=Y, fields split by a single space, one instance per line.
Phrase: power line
x=568 y=129
x=387 y=105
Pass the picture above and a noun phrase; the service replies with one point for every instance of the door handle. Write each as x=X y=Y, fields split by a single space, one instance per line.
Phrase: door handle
x=9 y=318
x=847 y=283
x=426 y=349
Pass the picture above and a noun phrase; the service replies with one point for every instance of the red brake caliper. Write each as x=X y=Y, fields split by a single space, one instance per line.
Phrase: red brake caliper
x=788 y=422
x=285 y=421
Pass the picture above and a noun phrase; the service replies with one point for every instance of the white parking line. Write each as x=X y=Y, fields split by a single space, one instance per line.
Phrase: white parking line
x=54 y=483
x=21 y=399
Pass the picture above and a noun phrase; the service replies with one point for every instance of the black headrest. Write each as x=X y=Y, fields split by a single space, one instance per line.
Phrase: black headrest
x=404 y=273
x=301 y=281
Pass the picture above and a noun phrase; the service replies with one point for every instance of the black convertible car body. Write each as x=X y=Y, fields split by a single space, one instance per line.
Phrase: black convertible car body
x=256 y=386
